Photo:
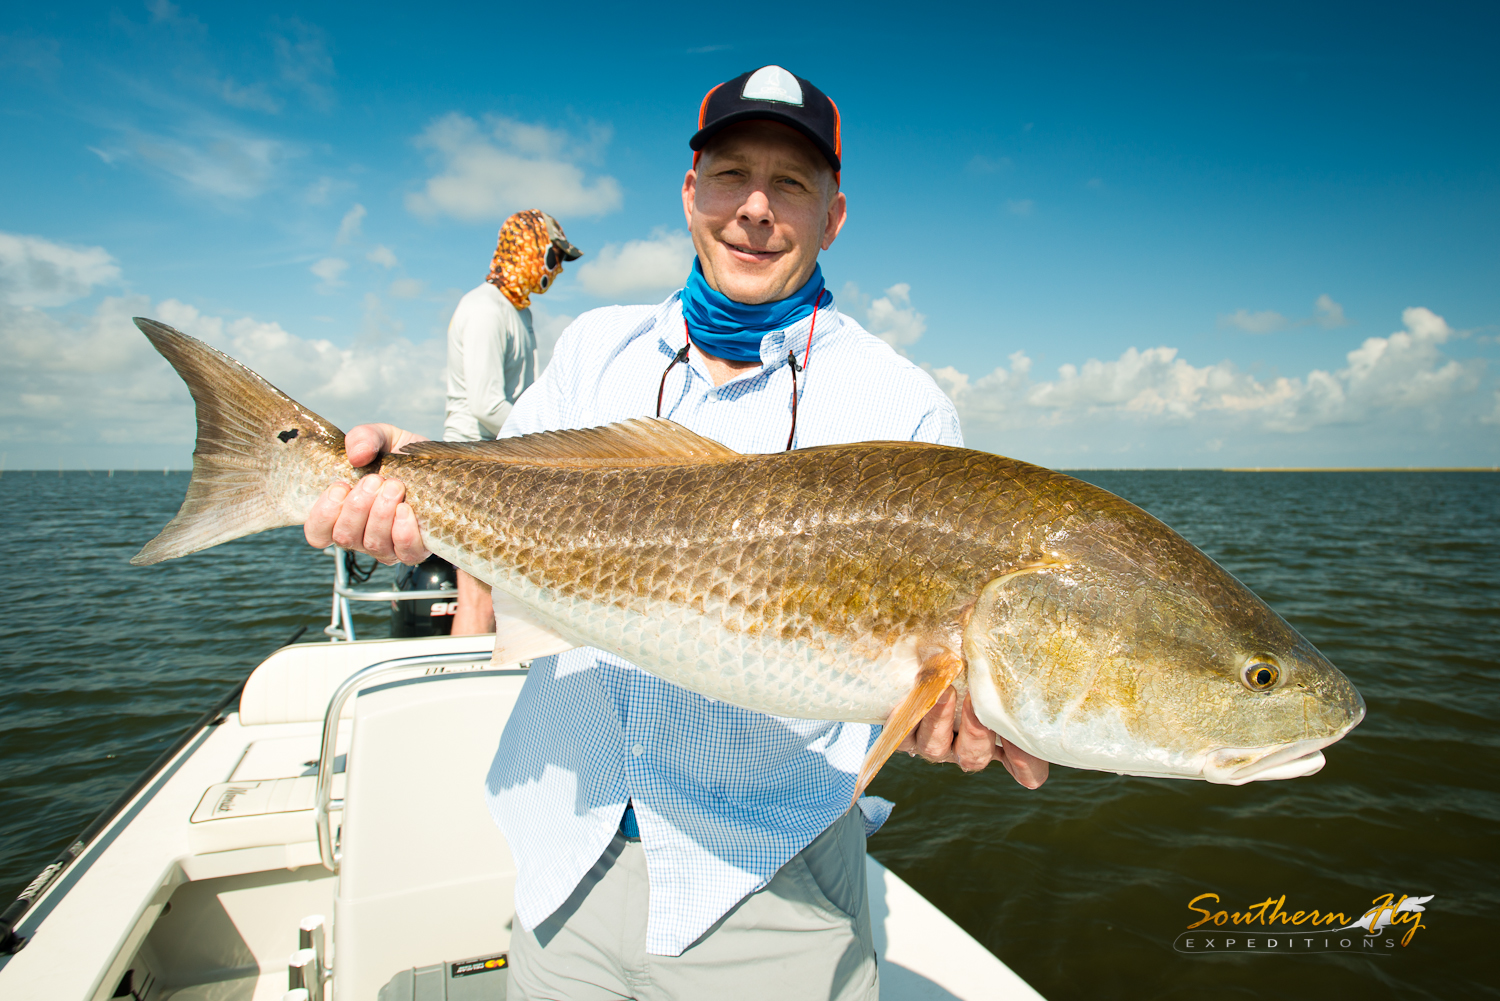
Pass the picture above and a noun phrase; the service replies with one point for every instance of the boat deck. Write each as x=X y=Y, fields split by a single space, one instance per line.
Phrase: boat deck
x=206 y=884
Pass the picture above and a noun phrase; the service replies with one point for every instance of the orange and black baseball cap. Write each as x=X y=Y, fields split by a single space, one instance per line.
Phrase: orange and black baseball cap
x=771 y=93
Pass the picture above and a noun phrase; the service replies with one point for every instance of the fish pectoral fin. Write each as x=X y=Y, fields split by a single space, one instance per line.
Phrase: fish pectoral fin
x=518 y=634
x=638 y=441
x=516 y=641
x=936 y=673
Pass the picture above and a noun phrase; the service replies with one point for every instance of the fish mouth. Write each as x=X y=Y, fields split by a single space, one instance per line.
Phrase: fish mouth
x=1234 y=766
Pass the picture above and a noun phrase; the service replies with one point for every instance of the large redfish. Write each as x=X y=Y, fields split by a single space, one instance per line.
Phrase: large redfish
x=845 y=582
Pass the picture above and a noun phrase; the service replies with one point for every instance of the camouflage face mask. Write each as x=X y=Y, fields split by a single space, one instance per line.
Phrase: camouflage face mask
x=529 y=256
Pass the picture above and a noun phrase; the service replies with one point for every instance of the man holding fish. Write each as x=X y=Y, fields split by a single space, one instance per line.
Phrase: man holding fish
x=668 y=844
x=680 y=828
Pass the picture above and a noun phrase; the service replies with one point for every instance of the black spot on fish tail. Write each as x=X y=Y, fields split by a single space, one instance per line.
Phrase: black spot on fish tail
x=232 y=492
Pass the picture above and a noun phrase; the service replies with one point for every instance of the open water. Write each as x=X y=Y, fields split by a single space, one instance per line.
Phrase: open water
x=1082 y=886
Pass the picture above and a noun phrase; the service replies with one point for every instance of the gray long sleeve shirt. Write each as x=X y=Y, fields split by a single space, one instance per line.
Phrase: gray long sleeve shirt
x=491 y=361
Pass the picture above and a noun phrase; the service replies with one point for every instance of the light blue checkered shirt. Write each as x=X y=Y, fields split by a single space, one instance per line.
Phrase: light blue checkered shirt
x=724 y=796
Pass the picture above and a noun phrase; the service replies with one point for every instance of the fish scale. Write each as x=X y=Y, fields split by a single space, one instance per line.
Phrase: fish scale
x=845 y=582
x=806 y=601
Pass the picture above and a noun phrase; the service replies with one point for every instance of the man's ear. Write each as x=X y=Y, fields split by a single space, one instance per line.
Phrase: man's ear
x=689 y=192
x=838 y=212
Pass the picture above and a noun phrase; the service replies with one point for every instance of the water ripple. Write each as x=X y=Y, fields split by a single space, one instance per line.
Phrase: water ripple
x=1081 y=886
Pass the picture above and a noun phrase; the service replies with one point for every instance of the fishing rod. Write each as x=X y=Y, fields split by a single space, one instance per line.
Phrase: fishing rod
x=10 y=942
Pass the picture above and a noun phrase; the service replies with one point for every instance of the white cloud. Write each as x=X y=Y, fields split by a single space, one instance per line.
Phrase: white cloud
x=216 y=159
x=645 y=267
x=349 y=228
x=488 y=172
x=303 y=61
x=1263 y=322
x=38 y=272
x=91 y=386
x=22 y=49
x=317 y=192
x=1404 y=372
x=892 y=317
x=252 y=97
x=981 y=164
x=383 y=256
x=377 y=325
x=165 y=10
x=1328 y=314
x=408 y=288
x=1406 y=369
x=1493 y=417
x=330 y=270
x=1020 y=206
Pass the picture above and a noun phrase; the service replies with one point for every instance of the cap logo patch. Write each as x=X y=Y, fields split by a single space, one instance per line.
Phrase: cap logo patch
x=772 y=83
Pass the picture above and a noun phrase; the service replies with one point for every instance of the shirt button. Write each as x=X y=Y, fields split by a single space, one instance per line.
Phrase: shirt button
x=638 y=750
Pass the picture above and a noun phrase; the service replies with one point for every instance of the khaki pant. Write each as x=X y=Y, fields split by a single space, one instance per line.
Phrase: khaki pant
x=806 y=934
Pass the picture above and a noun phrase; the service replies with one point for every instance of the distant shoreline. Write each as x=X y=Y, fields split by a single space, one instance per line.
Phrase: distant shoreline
x=1278 y=469
x=1361 y=469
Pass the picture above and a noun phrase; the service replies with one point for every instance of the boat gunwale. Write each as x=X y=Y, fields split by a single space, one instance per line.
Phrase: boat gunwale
x=23 y=911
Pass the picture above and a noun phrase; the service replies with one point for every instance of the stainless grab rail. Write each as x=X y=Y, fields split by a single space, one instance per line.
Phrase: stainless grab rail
x=323 y=801
x=358 y=595
x=341 y=620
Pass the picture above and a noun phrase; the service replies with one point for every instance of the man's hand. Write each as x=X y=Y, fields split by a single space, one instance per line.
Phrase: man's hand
x=371 y=516
x=972 y=746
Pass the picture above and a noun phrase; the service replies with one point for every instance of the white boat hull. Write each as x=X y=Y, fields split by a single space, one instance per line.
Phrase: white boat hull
x=197 y=888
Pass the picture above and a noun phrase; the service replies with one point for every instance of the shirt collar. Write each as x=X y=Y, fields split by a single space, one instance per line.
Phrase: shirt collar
x=774 y=347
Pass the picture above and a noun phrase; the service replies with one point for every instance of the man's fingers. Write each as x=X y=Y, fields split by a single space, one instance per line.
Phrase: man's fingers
x=318 y=529
x=378 y=526
x=370 y=517
x=973 y=744
x=364 y=443
x=1025 y=768
x=406 y=536
x=934 y=735
x=349 y=529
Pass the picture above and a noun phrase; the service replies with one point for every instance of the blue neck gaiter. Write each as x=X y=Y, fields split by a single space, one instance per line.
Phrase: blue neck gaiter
x=733 y=330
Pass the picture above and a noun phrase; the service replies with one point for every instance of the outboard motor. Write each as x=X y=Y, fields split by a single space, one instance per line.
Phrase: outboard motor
x=425 y=616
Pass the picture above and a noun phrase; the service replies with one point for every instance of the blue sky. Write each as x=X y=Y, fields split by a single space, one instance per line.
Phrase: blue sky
x=1173 y=237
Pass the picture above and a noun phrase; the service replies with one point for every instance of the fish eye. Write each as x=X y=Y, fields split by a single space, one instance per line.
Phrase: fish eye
x=1260 y=674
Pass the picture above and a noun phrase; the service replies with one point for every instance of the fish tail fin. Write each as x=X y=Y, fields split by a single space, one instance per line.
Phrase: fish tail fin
x=245 y=426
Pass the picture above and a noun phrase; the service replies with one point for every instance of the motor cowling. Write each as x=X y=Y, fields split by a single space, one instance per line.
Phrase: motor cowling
x=425 y=616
